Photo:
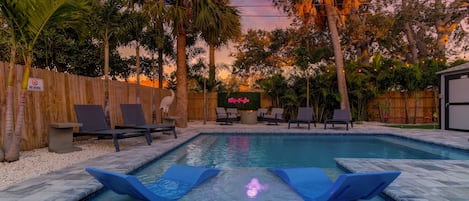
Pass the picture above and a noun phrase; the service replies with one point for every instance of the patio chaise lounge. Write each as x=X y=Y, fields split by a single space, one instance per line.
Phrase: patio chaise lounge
x=339 y=117
x=260 y=113
x=94 y=124
x=233 y=113
x=274 y=117
x=179 y=178
x=305 y=115
x=224 y=117
x=313 y=184
x=135 y=118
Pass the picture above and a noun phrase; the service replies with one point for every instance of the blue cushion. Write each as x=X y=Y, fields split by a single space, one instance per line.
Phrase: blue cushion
x=313 y=184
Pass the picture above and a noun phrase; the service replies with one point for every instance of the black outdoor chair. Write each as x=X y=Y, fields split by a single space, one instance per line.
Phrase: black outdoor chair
x=135 y=118
x=339 y=117
x=305 y=115
x=94 y=124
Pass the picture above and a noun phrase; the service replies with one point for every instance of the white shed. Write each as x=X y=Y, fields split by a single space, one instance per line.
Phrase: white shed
x=454 y=98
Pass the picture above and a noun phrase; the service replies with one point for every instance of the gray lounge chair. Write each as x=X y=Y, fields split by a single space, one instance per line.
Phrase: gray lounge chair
x=135 y=118
x=224 y=117
x=94 y=124
x=233 y=113
x=275 y=116
x=305 y=115
x=260 y=113
x=339 y=117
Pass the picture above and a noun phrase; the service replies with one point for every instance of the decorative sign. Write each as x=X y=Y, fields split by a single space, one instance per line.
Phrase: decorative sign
x=240 y=100
x=35 y=84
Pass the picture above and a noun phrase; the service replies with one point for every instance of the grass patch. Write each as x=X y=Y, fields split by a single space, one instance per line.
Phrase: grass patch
x=427 y=126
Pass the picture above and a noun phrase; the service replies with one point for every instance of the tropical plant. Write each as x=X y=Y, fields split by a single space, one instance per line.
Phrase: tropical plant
x=275 y=86
x=26 y=20
x=105 y=22
x=182 y=15
x=134 y=25
x=219 y=23
x=333 y=15
x=156 y=39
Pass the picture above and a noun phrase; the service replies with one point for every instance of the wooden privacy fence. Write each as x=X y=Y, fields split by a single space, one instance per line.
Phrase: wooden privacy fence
x=390 y=107
x=61 y=92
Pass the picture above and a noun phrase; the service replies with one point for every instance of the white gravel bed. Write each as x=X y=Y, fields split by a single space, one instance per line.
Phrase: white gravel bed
x=41 y=161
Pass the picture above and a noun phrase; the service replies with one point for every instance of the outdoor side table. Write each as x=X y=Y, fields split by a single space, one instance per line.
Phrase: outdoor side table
x=61 y=137
x=248 y=117
x=169 y=120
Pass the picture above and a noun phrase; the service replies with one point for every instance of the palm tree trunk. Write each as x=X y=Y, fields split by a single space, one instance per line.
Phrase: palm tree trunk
x=160 y=68
x=339 y=60
x=160 y=45
x=106 y=80
x=13 y=152
x=8 y=135
x=211 y=65
x=181 y=77
x=153 y=96
x=137 y=66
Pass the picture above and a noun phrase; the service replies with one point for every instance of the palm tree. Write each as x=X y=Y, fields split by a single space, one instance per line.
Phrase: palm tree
x=26 y=21
x=219 y=23
x=181 y=14
x=332 y=14
x=156 y=38
x=136 y=23
x=105 y=22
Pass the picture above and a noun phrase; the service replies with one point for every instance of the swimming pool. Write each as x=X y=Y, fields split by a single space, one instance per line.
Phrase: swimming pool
x=246 y=156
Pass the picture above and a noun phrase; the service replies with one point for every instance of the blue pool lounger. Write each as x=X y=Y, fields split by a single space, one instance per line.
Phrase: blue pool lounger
x=313 y=184
x=177 y=181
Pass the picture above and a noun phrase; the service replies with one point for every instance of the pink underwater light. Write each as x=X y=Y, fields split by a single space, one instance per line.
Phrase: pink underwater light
x=254 y=187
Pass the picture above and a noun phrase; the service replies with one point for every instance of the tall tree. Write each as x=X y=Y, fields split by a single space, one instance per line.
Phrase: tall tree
x=219 y=23
x=182 y=14
x=157 y=40
x=27 y=19
x=136 y=23
x=156 y=37
x=133 y=31
x=105 y=22
x=447 y=18
x=260 y=53
x=331 y=14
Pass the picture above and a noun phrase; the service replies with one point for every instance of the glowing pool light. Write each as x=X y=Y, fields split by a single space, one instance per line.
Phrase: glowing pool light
x=254 y=187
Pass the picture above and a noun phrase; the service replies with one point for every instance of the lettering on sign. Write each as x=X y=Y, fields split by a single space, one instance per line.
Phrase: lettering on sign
x=35 y=84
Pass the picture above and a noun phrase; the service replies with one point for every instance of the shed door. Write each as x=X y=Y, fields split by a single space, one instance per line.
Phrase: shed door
x=457 y=102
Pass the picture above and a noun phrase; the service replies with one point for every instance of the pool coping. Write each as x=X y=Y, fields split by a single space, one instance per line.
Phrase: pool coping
x=73 y=183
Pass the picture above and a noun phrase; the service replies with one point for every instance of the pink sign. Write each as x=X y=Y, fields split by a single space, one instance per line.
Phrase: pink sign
x=243 y=100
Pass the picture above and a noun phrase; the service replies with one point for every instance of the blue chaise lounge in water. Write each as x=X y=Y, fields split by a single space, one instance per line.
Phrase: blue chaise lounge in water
x=313 y=184
x=177 y=181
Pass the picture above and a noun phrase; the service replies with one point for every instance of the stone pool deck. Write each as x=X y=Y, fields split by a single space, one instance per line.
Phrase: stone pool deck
x=421 y=180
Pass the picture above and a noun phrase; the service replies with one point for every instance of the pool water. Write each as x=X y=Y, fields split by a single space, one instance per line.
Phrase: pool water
x=246 y=156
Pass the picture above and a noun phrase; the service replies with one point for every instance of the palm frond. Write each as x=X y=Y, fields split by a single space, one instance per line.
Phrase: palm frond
x=43 y=13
